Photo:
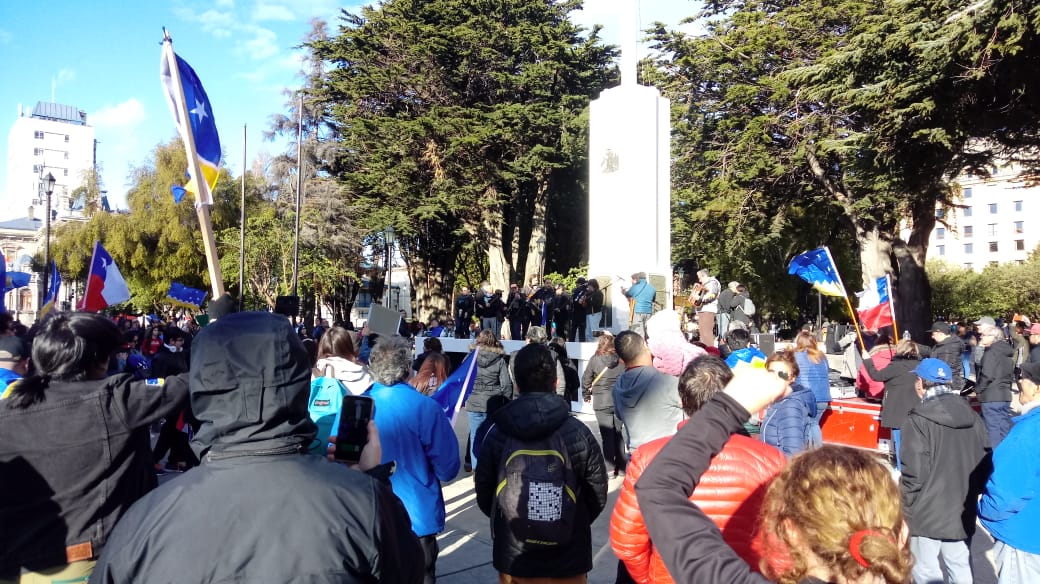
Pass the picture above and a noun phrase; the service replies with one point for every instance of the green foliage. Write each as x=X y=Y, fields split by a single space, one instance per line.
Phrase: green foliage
x=960 y=294
x=570 y=280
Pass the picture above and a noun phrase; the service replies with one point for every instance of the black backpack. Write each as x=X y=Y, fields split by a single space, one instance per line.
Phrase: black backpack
x=537 y=495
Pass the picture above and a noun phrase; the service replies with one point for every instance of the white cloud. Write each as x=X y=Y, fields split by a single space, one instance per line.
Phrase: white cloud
x=64 y=77
x=263 y=45
x=266 y=11
x=126 y=115
x=220 y=24
x=226 y=3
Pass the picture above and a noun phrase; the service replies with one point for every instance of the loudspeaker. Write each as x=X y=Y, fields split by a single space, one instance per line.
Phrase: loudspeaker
x=287 y=305
x=764 y=342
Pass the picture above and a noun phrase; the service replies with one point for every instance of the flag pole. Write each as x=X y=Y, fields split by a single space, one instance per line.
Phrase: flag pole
x=848 y=303
x=209 y=243
x=462 y=394
x=242 y=232
x=892 y=305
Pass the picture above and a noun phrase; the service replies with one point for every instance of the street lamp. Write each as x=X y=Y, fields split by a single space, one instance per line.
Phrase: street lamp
x=48 y=186
x=682 y=276
x=389 y=236
x=540 y=242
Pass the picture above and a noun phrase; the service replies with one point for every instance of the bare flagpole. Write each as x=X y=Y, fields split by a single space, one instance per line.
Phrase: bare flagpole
x=242 y=231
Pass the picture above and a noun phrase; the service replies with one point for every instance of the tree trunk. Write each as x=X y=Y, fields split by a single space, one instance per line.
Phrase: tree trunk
x=880 y=254
x=498 y=267
x=432 y=284
x=536 y=260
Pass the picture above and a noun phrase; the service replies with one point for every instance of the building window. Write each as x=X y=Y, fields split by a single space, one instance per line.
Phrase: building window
x=66 y=172
x=967 y=265
x=991 y=229
x=1020 y=245
x=36 y=169
x=967 y=248
x=66 y=156
x=940 y=233
x=967 y=211
x=942 y=249
x=967 y=193
x=1018 y=226
x=968 y=231
x=38 y=135
x=992 y=208
x=939 y=213
x=993 y=246
x=37 y=151
x=1018 y=205
x=66 y=137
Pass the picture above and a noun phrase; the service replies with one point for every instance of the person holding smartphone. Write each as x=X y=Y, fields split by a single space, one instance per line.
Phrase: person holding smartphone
x=257 y=487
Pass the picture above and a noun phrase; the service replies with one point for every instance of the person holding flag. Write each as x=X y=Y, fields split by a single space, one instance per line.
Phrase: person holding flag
x=52 y=291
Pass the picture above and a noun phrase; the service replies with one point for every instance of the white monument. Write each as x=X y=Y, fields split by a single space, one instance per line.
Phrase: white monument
x=629 y=183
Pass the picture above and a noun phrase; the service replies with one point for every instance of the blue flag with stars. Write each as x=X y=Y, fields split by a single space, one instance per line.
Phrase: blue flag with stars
x=202 y=127
x=182 y=295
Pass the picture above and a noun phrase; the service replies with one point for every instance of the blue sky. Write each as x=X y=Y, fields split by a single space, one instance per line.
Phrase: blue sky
x=103 y=57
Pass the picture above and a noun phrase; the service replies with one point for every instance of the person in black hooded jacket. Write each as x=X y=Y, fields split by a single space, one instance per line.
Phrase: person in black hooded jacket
x=537 y=414
x=900 y=396
x=993 y=385
x=250 y=384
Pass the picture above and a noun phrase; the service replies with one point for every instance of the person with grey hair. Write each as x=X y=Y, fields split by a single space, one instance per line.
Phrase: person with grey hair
x=993 y=384
x=414 y=433
x=642 y=295
x=536 y=335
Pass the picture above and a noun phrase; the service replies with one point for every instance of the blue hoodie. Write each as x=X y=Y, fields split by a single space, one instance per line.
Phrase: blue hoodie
x=644 y=294
x=786 y=423
x=1010 y=507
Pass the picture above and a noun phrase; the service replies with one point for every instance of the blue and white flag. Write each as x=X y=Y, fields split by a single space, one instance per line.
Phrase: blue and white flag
x=817 y=268
x=457 y=387
x=182 y=295
x=200 y=129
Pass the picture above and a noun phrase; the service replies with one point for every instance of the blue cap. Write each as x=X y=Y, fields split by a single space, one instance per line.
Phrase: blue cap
x=934 y=370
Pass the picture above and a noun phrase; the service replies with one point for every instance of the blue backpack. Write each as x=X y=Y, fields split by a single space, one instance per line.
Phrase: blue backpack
x=323 y=406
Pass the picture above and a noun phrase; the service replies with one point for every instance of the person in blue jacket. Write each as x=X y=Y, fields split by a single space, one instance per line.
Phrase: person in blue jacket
x=787 y=423
x=414 y=433
x=643 y=293
x=1010 y=507
x=814 y=373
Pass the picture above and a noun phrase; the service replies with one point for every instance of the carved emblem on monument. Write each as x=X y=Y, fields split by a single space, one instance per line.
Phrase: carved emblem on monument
x=610 y=163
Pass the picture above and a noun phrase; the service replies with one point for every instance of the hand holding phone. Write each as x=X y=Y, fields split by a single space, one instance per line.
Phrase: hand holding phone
x=352 y=427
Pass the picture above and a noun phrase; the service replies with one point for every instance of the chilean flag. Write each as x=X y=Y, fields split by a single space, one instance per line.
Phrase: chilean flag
x=875 y=305
x=105 y=285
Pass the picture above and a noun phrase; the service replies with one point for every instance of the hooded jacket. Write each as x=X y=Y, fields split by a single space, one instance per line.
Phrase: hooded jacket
x=354 y=375
x=672 y=352
x=534 y=416
x=949 y=350
x=730 y=492
x=250 y=382
x=72 y=464
x=996 y=372
x=785 y=425
x=647 y=401
x=946 y=461
x=492 y=379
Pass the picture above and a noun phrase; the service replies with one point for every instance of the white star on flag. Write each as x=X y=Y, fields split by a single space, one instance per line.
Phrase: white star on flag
x=200 y=110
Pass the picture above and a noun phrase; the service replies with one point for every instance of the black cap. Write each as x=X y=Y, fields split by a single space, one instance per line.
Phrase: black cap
x=940 y=326
x=1031 y=371
x=12 y=349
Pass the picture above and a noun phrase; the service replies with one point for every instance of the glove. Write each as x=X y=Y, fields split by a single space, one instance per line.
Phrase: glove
x=221 y=307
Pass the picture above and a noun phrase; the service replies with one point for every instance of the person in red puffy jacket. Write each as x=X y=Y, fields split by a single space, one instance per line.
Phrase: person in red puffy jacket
x=730 y=492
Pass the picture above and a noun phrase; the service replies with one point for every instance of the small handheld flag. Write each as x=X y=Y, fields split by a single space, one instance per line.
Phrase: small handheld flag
x=52 y=291
x=182 y=295
x=457 y=387
x=16 y=280
x=105 y=285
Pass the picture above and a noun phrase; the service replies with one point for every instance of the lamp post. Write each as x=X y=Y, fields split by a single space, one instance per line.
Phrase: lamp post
x=682 y=277
x=540 y=242
x=389 y=236
x=48 y=186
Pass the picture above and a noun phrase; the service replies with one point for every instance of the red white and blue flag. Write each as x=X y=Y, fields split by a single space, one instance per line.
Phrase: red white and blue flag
x=105 y=285
x=875 y=305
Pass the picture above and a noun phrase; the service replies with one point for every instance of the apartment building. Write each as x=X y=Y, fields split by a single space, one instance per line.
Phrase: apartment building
x=54 y=138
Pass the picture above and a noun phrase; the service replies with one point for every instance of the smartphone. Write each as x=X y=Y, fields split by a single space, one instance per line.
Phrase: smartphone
x=352 y=427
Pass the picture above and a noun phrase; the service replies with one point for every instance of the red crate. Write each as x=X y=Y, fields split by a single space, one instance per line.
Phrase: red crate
x=855 y=422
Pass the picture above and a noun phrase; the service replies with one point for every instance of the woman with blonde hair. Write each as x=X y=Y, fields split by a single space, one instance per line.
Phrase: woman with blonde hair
x=432 y=373
x=813 y=374
x=338 y=357
x=900 y=394
x=492 y=379
x=833 y=515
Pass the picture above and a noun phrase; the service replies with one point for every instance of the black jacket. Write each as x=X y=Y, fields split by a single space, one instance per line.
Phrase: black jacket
x=71 y=465
x=533 y=416
x=258 y=509
x=1034 y=354
x=900 y=393
x=996 y=372
x=946 y=462
x=949 y=351
x=465 y=307
x=492 y=379
x=515 y=304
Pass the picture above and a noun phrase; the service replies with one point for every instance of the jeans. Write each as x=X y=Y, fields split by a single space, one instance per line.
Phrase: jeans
x=639 y=323
x=1015 y=566
x=723 y=320
x=517 y=329
x=996 y=416
x=592 y=324
x=897 y=445
x=934 y=558
x=815 y=432
x=475 y=420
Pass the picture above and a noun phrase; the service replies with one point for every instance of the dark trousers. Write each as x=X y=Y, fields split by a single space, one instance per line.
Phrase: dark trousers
x=517 y=329
x=996 y=417
x=579 y=321
x=430 y=552
x=613 y=440
x=563 y=329
x=175 y=442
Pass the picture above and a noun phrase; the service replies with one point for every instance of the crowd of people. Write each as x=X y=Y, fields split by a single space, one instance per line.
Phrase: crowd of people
x=724 y=476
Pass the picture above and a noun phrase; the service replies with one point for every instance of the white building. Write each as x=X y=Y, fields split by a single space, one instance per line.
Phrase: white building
x=55 y=138
x=997 y=221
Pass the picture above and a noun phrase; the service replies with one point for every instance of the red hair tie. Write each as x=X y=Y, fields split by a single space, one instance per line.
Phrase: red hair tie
x=857 y=539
